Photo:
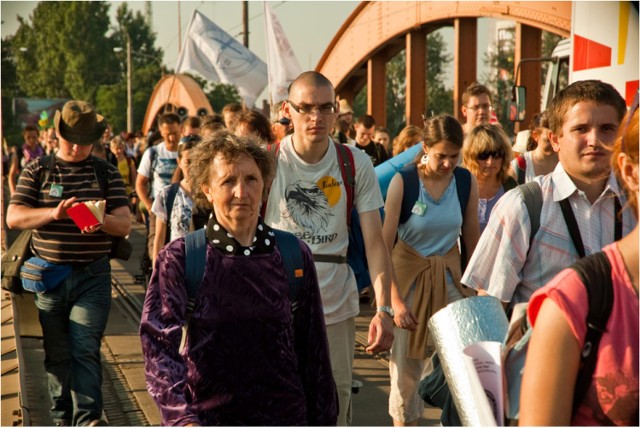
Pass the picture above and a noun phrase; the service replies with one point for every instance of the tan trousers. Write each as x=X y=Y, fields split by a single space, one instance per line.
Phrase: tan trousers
x=342 y=341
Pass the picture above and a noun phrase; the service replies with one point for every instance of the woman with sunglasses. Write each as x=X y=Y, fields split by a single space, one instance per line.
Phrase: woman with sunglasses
x=487 y=153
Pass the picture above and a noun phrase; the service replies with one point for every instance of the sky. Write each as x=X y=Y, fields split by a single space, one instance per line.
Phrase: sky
x=309 y=25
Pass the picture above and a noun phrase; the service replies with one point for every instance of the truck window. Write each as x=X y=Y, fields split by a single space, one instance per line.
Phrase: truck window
x=563 y=74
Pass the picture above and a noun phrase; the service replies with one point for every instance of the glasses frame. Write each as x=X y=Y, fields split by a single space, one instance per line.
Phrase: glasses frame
x=301 y=110
x=489 y=108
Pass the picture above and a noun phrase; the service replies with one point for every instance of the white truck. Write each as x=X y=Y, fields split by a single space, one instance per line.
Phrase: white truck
x=603 y=45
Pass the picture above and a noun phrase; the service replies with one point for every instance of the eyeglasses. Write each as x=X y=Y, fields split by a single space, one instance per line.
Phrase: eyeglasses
x=306 y=109
x=483 y=107
x=496 y=154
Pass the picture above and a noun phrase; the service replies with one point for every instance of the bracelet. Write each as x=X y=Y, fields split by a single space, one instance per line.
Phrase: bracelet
x=386 y=309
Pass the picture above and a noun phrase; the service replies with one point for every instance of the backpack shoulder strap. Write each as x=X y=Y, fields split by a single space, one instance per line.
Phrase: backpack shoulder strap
x=509 y=183
x=171 y=197
x=293 y=264
x=595 y=274
x=274 y=148
x=348 y=171
x=532 y=196
x=463 y=186
x=195 y=255
x=410 y=192
x=101 y=168
x=521 y=168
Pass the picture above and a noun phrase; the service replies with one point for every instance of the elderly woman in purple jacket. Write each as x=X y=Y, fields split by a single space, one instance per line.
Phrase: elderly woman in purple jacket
x=246 y=360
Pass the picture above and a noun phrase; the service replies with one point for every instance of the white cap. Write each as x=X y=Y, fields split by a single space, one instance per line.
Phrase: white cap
x=521 y=141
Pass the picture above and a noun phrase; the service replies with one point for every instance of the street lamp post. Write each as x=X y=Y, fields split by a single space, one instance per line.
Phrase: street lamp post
x=130 y=77
x=129 y=94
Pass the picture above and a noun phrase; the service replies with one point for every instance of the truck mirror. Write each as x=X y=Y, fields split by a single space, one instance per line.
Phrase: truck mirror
x=517 y=105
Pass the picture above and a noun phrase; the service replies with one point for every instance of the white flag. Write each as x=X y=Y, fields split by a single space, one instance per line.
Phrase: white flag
x=218 y=57
x=283 y=64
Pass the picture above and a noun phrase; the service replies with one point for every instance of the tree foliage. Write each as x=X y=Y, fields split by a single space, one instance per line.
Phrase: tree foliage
x=499 y=78
x=146 y=69
x=439 y=99
x=61 y=52
x=66 y=50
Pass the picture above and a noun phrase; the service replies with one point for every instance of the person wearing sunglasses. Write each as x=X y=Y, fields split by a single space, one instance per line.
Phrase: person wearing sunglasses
x=487 y=153
x=581 y=194
x=476 y=106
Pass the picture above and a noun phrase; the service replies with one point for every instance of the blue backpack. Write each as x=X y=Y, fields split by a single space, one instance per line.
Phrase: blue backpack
x=196 y=255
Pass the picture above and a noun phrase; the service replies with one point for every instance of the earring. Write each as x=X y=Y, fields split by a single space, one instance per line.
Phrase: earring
x=425 y=159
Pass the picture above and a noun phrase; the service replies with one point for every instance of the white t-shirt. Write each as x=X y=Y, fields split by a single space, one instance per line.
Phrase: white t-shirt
x=310 y=201
x=164 y=165
x=181 y=212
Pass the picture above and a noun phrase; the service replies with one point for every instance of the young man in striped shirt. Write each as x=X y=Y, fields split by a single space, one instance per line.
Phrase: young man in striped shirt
x=584 y=119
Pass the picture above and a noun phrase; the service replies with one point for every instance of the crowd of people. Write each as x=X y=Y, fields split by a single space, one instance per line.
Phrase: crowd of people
x=260 y=342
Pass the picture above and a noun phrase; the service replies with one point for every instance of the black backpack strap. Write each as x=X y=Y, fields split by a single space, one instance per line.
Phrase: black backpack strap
x=521 y=169
x=101 y=171
x=532 y=197
x=171 y=197
x=411 y=190
x=293 y=264
x=463 y=187
x=195 y=255
x=572 y=225
x=617 y=234
x=509 y=183
x=595 y=274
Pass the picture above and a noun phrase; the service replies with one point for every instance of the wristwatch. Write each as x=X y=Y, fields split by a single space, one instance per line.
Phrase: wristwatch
x=386 y=309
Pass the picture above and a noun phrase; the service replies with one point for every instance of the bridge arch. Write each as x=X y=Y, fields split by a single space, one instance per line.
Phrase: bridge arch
x=376 y=31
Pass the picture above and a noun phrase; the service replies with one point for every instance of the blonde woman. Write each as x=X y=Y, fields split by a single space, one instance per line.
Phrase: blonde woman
x=487 y=153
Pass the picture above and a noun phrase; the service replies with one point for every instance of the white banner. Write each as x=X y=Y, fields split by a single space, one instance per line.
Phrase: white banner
x=283 y=64
x=218 y=57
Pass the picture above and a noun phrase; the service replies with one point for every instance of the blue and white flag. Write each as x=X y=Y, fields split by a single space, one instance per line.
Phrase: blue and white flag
x=218 y=57
x=283 y=64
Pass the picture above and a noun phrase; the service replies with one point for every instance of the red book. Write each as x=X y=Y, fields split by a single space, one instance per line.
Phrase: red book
x=90 y=213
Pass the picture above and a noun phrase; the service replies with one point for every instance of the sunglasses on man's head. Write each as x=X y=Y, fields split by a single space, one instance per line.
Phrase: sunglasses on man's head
x=496 y=154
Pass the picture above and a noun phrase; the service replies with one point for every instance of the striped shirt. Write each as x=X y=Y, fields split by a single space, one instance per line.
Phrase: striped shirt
x=500 y=264
x=61 y=241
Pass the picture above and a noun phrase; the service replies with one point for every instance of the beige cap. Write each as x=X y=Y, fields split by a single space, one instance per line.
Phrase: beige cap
x=345 y=108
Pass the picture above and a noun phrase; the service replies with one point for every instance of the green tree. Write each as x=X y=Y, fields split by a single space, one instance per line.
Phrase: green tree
x=439 y=99
x=499 y=78
x=146 y=67
x=63 y=51
x=10 y=90
x=220 y=94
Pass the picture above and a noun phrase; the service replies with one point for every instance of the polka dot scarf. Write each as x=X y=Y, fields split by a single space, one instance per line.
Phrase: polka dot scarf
x=263 y=242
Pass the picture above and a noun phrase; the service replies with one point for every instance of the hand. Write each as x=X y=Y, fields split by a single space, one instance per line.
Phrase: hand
x=60 y=212
x=380 y=333
x=404 y=318
x=92 y=229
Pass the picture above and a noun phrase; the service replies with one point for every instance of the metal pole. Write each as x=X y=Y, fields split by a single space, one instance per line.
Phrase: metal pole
x=245 y=23
x=129 y=95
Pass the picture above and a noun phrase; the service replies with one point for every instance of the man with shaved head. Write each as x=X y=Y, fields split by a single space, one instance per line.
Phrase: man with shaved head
x=309 y=198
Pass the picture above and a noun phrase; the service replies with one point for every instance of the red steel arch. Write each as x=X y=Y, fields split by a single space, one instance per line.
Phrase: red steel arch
x=378 y=30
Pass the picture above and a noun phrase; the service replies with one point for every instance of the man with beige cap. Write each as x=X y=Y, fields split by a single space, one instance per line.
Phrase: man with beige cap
x=73 y=313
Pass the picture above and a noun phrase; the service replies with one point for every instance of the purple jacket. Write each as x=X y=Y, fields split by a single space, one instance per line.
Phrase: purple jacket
x=244 y=363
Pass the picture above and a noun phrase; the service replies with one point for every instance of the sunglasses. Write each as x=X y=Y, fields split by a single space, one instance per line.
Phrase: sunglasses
x=496 y=154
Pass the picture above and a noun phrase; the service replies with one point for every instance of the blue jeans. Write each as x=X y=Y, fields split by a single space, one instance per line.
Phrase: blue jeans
x=73 y=319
